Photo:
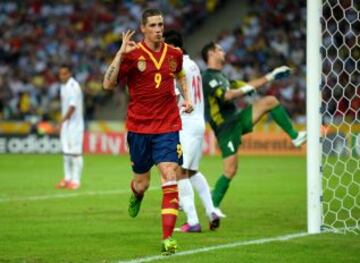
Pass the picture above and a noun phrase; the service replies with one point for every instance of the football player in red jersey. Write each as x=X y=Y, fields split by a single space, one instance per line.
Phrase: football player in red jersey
x=153 y=122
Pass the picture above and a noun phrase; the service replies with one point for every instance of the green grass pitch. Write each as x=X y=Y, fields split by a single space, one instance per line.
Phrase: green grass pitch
x=267 y=199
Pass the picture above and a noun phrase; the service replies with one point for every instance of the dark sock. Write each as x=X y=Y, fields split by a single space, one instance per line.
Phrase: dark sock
x=282 y=119
x=220 y=189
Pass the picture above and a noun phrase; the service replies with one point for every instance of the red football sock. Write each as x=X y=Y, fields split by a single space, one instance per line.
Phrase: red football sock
x=169 y=209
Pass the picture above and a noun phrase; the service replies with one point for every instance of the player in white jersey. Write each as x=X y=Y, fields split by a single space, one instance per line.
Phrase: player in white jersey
x=71 y=129
x=191 y=139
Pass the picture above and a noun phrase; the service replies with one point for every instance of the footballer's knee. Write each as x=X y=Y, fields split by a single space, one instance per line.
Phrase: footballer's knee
x=141 y=183
x=270 y=102
x=181 y=174
x=264 y=105
x=230 y=171
x=230 y=165
x=141 y=187
x=168 y=171
x=191 y=173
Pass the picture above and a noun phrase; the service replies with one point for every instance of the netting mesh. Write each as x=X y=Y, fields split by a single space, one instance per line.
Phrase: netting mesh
x=341 y=115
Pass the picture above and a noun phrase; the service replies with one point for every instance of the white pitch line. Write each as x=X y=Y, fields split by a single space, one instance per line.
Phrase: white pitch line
x=68 y=195
x=217 y=247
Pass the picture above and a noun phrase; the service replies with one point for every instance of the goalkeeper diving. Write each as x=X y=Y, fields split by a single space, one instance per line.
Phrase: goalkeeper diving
x=228 y=122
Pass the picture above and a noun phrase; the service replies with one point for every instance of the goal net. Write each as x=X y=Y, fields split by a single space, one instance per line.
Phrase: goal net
x=340 y=112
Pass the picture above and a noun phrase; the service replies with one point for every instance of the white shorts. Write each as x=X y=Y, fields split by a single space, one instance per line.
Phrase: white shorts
x=191 y=139
x=72 y=141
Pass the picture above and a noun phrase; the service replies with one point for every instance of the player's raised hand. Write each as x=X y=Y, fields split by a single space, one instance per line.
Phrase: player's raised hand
x=278 y=73
x=127 y=44
x=187 y=106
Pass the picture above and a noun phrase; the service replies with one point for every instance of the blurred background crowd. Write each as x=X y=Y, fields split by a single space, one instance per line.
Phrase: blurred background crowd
x=341 y=53
x=38 y=36
x=271 y=33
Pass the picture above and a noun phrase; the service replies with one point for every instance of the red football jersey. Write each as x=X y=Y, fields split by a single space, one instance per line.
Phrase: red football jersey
x=150 y=79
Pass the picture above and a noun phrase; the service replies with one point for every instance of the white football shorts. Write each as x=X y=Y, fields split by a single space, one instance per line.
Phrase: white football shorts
x=191 y=139
x=72 y=141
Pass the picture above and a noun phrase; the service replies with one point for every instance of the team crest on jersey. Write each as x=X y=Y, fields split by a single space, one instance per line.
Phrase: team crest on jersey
x=172 y=64
x=141 y=64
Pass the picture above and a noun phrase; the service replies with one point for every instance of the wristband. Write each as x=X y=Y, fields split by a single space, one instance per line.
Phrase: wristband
x=247 y=88
x=269 y=77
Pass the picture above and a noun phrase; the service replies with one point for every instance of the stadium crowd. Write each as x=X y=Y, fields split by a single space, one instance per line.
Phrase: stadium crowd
x=37 y=36
x=271 y=33
x=341 y=77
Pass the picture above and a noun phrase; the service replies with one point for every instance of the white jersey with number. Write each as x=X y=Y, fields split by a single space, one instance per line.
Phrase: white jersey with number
x=193 y=124
x=194 y=83
x=72 y=130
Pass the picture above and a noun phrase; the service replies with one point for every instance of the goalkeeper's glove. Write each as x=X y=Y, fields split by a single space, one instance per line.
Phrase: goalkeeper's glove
x=278 y=73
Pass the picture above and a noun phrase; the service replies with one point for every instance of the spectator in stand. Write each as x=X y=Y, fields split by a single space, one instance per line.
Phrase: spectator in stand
x=266 y=33
x=44 y=33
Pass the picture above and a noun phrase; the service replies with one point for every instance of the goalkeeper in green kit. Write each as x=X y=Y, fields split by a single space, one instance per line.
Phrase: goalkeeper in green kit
x=228 y=122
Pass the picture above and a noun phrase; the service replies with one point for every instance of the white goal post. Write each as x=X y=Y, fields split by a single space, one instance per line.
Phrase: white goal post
x=313 y=104
x=333 y=115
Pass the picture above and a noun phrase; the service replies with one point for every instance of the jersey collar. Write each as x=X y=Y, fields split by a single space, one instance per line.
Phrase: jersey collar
x=163 y=50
